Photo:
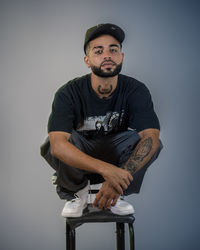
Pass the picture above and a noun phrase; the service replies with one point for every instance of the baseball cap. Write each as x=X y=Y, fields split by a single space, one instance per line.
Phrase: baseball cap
x=101 y=29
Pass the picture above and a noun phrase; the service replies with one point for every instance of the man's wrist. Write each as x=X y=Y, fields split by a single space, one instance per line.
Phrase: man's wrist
x=102 y=167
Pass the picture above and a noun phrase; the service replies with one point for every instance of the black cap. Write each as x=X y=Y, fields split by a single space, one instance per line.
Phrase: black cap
x=101 y=29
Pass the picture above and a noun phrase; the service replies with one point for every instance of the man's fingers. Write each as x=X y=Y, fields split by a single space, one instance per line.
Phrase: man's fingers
x=102 y=203
x=127 y=181
x=130 y=177
x=124 y=184
x=118 y=189
x=97 y=199
x=108 y=203
x=114 y=201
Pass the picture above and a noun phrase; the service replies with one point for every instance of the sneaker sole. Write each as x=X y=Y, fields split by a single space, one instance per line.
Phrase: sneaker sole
x=75 y=214
x=124 y=212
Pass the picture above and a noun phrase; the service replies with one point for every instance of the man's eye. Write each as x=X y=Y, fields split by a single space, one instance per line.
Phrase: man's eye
x=113 y=50
x=98 y=52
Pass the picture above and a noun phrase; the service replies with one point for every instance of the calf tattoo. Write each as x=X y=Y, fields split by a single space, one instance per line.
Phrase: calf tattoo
x=141 y=151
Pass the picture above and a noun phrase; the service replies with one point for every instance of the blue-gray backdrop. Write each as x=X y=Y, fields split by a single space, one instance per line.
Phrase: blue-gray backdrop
x=41 y=49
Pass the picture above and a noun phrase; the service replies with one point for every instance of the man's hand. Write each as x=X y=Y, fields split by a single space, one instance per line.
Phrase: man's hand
x=118 y=178
x=106 y=197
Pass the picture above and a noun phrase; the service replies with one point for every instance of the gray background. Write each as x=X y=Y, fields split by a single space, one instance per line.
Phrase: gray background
x=41 y=49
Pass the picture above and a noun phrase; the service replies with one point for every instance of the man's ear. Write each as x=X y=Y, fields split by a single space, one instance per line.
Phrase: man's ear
x=86 y=60
x=122 y=56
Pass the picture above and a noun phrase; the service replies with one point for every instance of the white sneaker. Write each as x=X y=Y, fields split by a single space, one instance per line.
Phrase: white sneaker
x=75 y=207
x=122 y=207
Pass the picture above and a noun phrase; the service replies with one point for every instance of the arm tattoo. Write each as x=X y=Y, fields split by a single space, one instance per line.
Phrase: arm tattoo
x=130 y=167
x=141 y=151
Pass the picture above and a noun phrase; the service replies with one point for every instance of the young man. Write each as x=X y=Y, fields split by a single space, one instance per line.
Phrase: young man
x=102 y=129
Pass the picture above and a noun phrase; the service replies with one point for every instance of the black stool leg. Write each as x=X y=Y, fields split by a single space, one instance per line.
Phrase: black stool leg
x=73 y=239
x=120 y=236
x=68 y=238
x=131 y=235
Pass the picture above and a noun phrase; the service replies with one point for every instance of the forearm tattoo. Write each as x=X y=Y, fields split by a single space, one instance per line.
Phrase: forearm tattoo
x=141 y=151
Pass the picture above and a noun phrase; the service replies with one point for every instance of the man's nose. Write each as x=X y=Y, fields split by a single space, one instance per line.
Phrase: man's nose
x=107 y=58
x=107 y=54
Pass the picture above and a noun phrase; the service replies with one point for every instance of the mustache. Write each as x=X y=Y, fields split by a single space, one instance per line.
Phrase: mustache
x=108 y=61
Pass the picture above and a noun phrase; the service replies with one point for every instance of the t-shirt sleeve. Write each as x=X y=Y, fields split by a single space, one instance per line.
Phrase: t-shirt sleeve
x=62 y=115
x=141 y=110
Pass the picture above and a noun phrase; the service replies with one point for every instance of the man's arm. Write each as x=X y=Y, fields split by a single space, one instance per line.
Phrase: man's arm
x=144 y=150
x=66 y=152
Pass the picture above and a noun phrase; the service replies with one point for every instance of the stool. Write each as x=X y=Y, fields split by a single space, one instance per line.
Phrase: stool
x=91 y=214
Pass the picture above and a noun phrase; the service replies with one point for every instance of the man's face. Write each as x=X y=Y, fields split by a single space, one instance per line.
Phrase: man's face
x=104 y=56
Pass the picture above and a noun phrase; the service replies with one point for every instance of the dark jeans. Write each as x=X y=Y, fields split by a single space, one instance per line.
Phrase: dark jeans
x=115 y=149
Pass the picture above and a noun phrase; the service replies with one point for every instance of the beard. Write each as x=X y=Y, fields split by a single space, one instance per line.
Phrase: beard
x=99 y=72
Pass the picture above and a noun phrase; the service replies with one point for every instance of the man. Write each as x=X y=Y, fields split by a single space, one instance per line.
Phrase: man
x=102 y=129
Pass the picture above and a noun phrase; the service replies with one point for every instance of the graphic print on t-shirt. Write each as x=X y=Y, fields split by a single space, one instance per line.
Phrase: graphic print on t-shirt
x=110 y=122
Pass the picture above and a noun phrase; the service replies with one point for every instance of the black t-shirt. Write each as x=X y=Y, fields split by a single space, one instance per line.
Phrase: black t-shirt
x=76 y=106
